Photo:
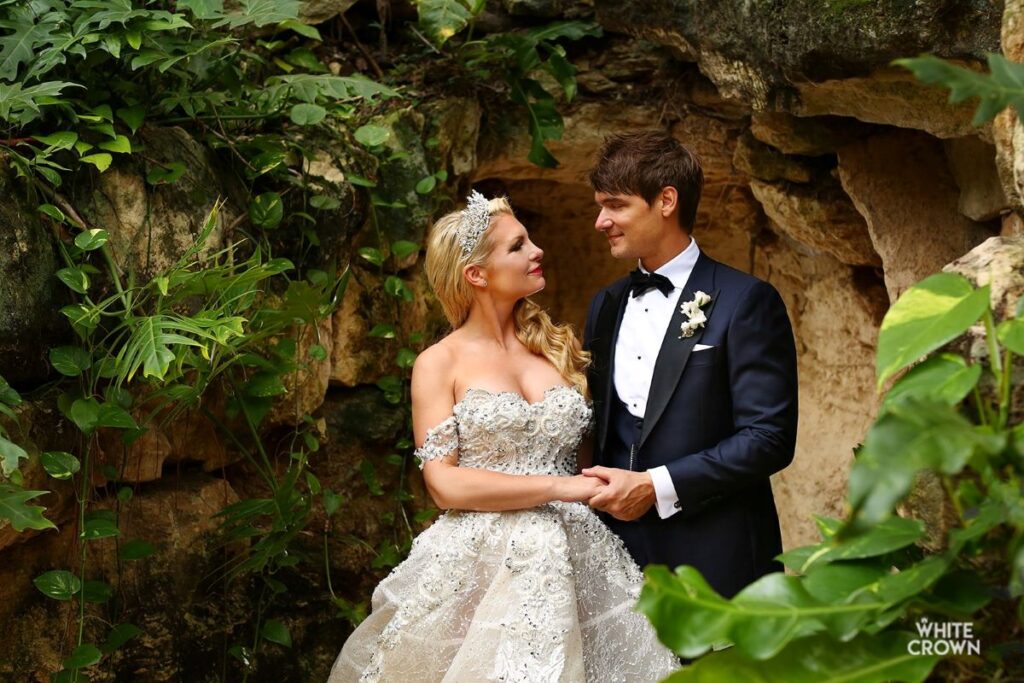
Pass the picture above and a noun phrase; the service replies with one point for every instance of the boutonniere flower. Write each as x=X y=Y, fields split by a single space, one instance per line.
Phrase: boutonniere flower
x=695 y=317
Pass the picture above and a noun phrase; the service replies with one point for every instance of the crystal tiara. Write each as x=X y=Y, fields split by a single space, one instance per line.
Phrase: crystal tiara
x=476 y=218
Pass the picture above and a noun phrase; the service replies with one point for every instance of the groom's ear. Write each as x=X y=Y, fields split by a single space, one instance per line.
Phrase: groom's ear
x=668 y=199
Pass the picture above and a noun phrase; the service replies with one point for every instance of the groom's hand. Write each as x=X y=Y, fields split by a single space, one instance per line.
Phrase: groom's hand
x=628 y=494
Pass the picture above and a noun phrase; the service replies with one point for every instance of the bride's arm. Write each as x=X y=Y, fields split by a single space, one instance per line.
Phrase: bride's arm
x=464 y=488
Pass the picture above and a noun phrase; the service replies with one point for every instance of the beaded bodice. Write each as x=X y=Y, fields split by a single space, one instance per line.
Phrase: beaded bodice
x=503 y=432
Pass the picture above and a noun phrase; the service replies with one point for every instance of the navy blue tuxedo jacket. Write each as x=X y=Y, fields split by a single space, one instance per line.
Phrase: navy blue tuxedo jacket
x=722 y=420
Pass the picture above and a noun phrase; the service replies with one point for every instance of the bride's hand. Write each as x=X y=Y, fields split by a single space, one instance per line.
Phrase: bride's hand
x=578 y=488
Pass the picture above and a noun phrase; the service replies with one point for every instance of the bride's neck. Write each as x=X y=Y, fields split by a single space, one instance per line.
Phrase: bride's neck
x=490 y=320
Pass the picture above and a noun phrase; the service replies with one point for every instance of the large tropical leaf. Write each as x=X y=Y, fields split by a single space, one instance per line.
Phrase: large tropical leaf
x=931 y=313
x=14 y=508
x=818 y=659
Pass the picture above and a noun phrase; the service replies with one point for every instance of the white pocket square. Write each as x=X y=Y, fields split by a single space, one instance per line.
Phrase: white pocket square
x=702 y=347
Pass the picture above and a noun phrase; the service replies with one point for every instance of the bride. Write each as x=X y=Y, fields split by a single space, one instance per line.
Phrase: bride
x=519 y=580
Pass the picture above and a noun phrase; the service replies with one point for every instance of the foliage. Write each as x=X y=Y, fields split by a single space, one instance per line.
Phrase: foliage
x=1002 y=87
x=518 y=58
x=851 y=606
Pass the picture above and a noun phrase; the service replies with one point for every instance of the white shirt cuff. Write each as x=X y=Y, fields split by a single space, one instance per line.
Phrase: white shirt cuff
x=665 y=492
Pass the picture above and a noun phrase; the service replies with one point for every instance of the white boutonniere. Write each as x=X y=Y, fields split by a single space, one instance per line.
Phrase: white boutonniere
x=695 y=317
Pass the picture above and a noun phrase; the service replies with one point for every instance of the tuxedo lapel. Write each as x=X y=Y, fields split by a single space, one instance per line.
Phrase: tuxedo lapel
x=675 y=352
x=606 y=332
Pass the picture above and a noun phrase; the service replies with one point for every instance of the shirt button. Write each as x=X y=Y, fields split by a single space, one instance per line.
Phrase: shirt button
x=647 y=310
x=638 y=357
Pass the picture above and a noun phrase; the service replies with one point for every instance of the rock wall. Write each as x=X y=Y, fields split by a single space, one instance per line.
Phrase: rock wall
x=835 y=177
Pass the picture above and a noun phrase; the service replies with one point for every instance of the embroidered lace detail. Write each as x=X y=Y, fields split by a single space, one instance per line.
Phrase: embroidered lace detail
x=439 y=442
x=539 y=595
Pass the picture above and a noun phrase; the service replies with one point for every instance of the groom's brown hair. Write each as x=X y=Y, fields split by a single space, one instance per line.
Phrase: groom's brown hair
x=643 y=163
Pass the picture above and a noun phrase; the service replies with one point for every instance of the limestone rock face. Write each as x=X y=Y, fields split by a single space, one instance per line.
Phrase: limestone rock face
x=754 y=51
x=999 y=263
x=973 y=163
x=820 y=216
x=899 y=181
x=152 y=227
x=891 y=96
x=766 y=163
x=1006 y=128
x=814 y=136
x=30 y=293
x=835 y=311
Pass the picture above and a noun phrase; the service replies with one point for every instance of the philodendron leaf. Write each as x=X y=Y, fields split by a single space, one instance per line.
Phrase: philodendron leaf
x=691 y=618
x=276 y=632
x=911 y=436
x=947 y=378
x=931 y=313
x=58 y=584
x=876 y=658
x=14 y=508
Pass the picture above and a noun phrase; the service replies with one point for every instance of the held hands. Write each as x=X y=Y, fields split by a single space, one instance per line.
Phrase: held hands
x=627 y=495
x=578 y=489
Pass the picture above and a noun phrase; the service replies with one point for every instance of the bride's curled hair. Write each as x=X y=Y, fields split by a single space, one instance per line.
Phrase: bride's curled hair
x=534 y=327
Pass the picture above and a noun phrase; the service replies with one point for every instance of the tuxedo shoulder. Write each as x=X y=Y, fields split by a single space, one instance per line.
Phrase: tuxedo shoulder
x=739 y=281
x=613 y=289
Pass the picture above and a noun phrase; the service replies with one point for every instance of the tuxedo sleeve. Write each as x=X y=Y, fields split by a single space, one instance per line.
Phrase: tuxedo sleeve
x=588 y=326
x=761 y=357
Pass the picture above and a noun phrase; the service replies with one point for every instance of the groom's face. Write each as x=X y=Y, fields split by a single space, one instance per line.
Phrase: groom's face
x=632 y=227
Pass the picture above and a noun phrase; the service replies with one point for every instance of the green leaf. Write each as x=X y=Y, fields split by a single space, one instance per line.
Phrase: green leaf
x=946 y=378
x=133 y=116
x=1011 y=334
x=691 y=618
x=75 y=278
x=1002 y=87
x=53 y=212
x=564 y=72
x=58 y=584
x=70 y=361
x=369 y=473
x=276 y=632
x=442 y=19
x=426 y=185
x=13 y=508
x=820 y=659
x=372 y=136
x=265 y=384
x=97 y=592
x=397 y=288
x=100 y=161
x=885 y=537
x=911 y=436
x=84 y=655
x=332 y=502
x=57 y=141
x=304 y=30
x=405 y=358
x=324 y=202
x=928 y=315
x=306 y=114
x=99 y=526
x=10 y=454
x=119 y=145
x=203 y=9
x=383 y=331
x=267 y=210
x=116 y=417
x=317 y=352
x=118 y=636
x=60 y=464
x=165 y=174
x=403 y=248
x=360 y=181
x=137 y=549
x=372 y=255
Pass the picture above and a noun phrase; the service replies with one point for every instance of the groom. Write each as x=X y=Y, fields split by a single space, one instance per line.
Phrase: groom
x=693 y=377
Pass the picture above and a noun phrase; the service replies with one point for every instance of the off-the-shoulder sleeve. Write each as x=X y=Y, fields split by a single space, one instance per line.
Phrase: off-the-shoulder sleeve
x=439 y=442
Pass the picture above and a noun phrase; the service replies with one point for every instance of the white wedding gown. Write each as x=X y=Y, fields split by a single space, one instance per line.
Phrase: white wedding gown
x=544 y=594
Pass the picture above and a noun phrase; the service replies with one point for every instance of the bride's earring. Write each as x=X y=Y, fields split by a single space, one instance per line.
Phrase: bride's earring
x=484 y=283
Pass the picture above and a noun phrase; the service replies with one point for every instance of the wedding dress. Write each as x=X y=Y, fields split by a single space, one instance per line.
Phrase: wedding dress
x=543 y=594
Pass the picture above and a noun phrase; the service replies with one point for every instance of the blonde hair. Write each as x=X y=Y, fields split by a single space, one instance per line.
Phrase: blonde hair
x=445 y=263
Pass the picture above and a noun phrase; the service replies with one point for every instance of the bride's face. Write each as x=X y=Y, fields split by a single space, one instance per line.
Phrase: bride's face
x=512 y=269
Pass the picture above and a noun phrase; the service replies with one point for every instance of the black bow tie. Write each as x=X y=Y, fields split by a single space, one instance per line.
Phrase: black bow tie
x=640 y=282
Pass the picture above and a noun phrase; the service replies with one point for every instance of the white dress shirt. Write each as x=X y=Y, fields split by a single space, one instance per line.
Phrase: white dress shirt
x=644 y=324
